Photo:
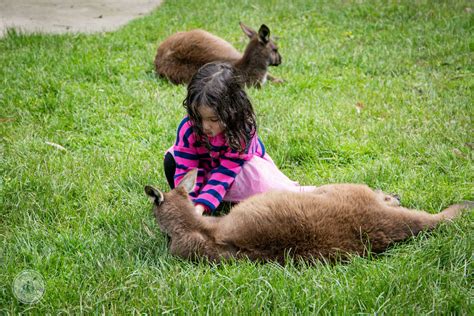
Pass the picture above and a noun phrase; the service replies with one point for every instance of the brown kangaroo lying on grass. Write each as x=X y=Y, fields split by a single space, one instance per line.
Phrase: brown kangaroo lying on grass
x=332 y=222
x=183 y=53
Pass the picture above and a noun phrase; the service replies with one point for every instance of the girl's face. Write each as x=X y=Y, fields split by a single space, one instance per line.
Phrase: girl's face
x=211 y=124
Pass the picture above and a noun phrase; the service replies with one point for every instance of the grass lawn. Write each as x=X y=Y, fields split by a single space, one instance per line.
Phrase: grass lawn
x=80 y=217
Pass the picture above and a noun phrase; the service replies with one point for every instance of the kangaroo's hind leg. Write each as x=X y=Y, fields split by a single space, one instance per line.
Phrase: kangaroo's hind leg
x=455 y=210
x=174 y=70
x=398 y=223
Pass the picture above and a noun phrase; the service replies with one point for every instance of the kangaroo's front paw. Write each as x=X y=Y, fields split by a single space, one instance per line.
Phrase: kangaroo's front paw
x=392 y=199
x=388 y=199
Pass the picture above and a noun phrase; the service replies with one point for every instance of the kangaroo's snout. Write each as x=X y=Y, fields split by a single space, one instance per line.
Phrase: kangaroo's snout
x=276 y=61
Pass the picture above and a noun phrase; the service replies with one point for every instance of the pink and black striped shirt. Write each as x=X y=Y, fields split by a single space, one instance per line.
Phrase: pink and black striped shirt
x=217 y=167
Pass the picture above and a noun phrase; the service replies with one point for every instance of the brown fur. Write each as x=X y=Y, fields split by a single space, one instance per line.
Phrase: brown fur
x=183 y=53
x=331 y=222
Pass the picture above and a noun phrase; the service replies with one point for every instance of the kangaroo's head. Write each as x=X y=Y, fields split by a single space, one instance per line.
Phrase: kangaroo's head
x=174 y=211
x=261 y=48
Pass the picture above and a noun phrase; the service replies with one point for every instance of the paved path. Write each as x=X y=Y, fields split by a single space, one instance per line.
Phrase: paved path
x=61 y=16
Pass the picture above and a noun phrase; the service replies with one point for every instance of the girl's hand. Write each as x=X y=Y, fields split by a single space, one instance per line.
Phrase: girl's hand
x=199 y=209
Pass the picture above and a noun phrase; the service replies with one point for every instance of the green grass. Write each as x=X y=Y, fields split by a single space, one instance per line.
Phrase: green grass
x=79 y=217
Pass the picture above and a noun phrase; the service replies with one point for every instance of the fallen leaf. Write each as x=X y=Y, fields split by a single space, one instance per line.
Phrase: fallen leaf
x=458 y=153
x=359 y=106
x=148 y=230
x=57 y=146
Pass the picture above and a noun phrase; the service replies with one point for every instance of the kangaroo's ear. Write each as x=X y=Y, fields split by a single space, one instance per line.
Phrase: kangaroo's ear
x=247 y=30
x=189 y=181
x=155 y=195
x=264 y=34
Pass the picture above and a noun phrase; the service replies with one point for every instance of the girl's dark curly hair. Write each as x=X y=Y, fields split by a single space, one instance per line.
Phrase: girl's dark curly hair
x=216 y=85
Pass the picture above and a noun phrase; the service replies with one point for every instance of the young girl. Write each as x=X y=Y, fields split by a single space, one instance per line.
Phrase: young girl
x=219 y=137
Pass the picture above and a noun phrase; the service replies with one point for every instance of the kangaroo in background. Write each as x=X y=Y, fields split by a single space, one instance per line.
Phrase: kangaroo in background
x=180 y=56
x=331 y=222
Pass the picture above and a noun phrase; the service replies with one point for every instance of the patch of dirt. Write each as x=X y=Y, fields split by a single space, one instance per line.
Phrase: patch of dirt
x=63 y=16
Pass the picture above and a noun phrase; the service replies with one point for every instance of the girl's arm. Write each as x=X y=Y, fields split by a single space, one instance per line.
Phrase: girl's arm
x=220 y=180
x=222 y=177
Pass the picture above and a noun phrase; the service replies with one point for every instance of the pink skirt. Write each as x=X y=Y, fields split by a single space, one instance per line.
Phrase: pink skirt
x=259 y=175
